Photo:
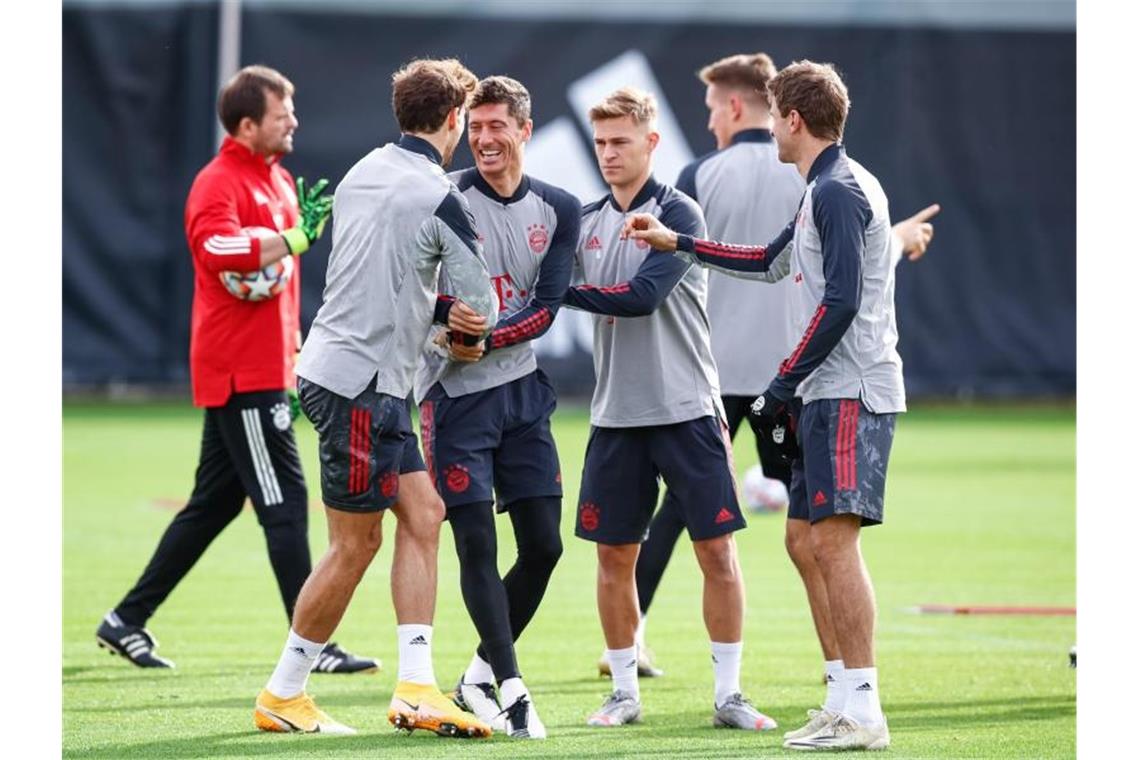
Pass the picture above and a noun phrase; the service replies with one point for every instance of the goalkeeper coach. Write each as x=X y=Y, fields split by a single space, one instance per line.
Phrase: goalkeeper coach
x=241 y=362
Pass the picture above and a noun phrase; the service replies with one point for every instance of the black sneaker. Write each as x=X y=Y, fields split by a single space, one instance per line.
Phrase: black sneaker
x=133 y=642
x=333 y=659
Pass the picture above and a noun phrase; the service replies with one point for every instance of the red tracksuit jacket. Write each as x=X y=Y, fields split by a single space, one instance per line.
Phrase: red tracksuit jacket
x=239 y=346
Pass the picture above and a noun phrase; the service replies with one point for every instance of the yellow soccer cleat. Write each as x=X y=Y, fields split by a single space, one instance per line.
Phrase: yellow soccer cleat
x=424 y=706
x=298 y=714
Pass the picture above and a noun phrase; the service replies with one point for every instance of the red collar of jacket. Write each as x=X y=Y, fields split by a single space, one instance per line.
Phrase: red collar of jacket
x=233 y=148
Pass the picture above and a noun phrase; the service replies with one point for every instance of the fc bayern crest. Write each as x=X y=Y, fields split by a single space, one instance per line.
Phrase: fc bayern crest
x=457 y=478
x=588 y=515
x=281 y=416
x=537 y=237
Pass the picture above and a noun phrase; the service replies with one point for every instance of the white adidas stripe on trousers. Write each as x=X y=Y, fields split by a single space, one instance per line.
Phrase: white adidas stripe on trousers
x=262 y=464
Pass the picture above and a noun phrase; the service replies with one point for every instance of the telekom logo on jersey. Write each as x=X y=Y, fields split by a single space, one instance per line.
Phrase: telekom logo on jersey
x=557 y=154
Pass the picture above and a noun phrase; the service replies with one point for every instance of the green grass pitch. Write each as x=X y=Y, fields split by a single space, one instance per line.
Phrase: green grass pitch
x=980 y=510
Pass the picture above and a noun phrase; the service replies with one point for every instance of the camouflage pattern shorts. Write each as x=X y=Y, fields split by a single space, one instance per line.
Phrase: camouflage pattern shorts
x=843 y=464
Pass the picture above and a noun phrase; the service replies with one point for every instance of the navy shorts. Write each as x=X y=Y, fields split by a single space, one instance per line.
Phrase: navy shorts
x=842 y=469
x=619 y=480
x=366 y=444
x=492 y=443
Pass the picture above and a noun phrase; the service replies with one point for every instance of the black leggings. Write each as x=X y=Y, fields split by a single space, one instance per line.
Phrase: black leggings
x=501 y=608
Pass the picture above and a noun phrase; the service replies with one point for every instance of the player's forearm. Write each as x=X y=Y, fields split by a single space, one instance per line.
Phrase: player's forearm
x=828 y=325
x=525 y=324
x=273 y=249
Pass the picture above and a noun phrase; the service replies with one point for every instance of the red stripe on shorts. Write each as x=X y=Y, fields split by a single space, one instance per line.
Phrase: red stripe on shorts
x=427 y=433
x=360 y=448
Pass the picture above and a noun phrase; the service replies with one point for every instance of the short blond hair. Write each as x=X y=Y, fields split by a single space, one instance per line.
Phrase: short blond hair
x=815 y=90
x=637 y=104
x=748 y=73
x=425 y=91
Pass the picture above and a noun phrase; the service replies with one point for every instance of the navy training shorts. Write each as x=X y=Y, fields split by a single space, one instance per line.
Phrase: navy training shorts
x=366 y=443
x=620 y=480
x=843 y=464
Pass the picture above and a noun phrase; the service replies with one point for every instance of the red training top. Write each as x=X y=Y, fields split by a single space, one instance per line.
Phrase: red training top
x=235 y=345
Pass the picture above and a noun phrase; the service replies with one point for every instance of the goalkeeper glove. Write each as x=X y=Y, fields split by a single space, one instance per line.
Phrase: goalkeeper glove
x=315 y=210
x=776 y=420
x=294 y=403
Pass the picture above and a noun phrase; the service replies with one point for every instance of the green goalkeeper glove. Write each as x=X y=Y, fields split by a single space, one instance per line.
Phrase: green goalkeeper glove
x=315 y=210
x=294 y=403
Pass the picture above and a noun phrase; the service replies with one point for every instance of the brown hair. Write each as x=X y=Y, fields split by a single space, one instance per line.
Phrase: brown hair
x=639 y=105
x=500 y=89
x=425 y=91
x=244 y=95
x=817 y=92
x=747 y=73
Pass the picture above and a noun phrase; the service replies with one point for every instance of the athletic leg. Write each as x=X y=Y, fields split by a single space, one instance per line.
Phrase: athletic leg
x=473 y=526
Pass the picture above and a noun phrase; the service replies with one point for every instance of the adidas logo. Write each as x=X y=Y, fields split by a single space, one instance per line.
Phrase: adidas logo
x=830 y=678
x=594 y=244
x=863 y=687
x=819 y=500
x=418 y=640
x=298 y=650
x=723 y=516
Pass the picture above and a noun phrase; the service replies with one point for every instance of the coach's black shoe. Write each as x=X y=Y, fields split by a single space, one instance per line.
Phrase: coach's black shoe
x=133 y=642
x=333 y=659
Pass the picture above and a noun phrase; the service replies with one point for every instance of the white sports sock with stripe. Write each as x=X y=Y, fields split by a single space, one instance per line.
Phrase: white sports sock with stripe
x=726 y=669
x=836 y=686
x=623 y=667
x=292 y=671
x=415 y=654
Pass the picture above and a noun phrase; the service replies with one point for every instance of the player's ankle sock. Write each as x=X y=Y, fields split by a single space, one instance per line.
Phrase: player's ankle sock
x=623 y=666
x=415 y=654
x=292 y=671
x=726 y=669
x=836 y=685
x=510 y=690
x=639 y=635
x=479 y=671
x=862 y=703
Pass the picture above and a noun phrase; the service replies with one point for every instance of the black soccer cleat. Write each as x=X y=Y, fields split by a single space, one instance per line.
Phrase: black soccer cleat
x=132 y=642
x=333 y=659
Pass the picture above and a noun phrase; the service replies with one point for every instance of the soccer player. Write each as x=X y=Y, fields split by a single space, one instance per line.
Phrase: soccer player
x=396 y=218
x=241 y=364
x=485 y=416
x=747 y=194
x=655 y=412
x=845 y=370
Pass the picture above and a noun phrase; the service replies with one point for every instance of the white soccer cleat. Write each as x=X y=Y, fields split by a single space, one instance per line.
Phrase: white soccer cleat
x=738 y=712
x=522 y=721
x=842 y=733
x=817 y=719
x=481 y=700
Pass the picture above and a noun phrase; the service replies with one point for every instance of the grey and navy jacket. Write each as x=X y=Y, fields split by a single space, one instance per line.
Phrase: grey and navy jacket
x=652 y=357
x=746 y=194
x=528 y=243
x=838 y=252
x=396 y=218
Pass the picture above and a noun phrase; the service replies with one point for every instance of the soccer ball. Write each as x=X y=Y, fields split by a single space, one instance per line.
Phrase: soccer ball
x=264 y=283
x=763 y=494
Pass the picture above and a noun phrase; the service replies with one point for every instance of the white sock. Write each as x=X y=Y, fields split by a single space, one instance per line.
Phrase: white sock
x=292 y=671
x=415 y=654
x=623 y=666
x=726 y=669
x=510 y=690
x=862 y=703
x=479 y=671
x=639 y=635
x=836 y=686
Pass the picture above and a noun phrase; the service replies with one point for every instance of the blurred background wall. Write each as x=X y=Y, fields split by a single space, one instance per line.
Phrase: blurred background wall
x=969 y=104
